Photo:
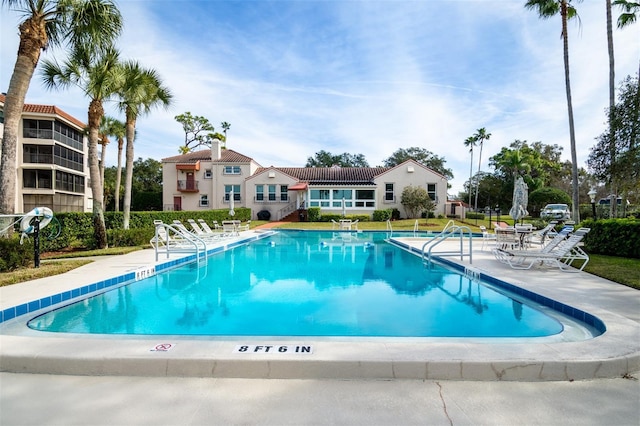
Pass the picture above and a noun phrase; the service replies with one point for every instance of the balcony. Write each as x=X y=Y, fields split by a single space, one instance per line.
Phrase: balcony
x=188 y=186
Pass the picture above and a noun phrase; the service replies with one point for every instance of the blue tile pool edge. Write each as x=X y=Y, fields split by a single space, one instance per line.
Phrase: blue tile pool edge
x=130 y=276
x=563 y=308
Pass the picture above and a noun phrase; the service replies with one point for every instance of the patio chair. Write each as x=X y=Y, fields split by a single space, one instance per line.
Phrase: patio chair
x=334 y=224
x=244 y=227
x=354 y=224
x=507 y=238
x=167 y=236
x=562 y=255
x=487 y=237
x=205 y=226
x=540 y=236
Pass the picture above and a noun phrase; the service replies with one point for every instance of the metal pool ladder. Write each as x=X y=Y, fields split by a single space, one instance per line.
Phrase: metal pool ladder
x=456 y=231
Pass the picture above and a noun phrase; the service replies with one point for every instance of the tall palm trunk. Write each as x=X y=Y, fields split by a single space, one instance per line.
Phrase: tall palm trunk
x=575 y=212
x=33 y=38
x=96 y=112
x=612 y=100
x=128 y=178
x=119 y=173
x=478 y=175
x=471 y=178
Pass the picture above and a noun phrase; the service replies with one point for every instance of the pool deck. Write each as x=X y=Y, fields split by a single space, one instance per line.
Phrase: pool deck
x=613 y=354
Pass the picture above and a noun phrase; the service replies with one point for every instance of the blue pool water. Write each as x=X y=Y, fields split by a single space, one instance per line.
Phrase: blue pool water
x=305 y=284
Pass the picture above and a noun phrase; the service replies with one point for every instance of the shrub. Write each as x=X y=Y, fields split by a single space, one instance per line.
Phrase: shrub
x=14 y=255
x=129 y=237
x=313 y=214
x=415 y=199
x=382 y=215
x=472 y=215
x=613 y=237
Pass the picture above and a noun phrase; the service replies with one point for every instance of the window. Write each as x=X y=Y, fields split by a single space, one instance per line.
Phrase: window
x=208 y=174
x=67 y=135
x=339 y=194
x=431 y=191
x=389 y=196
x=69 y=182
x=365 y=198
x=231 y=170
x=319 y=198
x=272 y=192
x=236 y=192
x=36 y=179
x=284 y=192
x=204 y=200
x=259 y=192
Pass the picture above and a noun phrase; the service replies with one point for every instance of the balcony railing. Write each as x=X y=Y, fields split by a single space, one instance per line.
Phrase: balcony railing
x=188 y=186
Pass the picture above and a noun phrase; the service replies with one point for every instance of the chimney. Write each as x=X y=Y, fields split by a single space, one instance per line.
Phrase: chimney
x=215 y=149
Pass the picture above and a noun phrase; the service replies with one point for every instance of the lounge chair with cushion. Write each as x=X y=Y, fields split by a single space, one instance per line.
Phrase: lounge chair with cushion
x=561 y=254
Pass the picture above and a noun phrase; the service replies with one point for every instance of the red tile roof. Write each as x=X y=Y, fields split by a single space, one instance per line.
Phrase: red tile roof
x=332 y=175
x=226 y=156
x=49 y=110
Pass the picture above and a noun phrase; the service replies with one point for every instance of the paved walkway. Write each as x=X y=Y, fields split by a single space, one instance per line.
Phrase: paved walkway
x=71 y=399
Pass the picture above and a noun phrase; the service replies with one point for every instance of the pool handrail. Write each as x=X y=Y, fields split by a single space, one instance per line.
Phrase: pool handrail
x=185 y=242
x=447 y=232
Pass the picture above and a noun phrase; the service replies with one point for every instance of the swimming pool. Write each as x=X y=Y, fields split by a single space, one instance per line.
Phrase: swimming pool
x=307 y=284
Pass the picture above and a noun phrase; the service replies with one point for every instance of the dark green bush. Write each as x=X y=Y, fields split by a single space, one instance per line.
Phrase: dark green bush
x=129 y=237
x=613 y=237
x=382 y=215
x=14 y=255
x=543 y=196
x=313 y=214
x=472 y=215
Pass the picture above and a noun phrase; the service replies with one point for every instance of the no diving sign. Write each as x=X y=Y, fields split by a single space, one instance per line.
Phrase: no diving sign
x=163 y=347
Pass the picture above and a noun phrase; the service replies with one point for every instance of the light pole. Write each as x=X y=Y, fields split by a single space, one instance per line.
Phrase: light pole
x=592 y=196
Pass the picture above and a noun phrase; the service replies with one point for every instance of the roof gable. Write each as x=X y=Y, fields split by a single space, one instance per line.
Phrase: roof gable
x=331 y=175
x=226 y=156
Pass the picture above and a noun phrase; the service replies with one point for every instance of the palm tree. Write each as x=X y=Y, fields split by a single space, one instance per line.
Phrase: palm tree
x=47 y=23
x=629 y=16
x=547 y=9
x=470 y=142
x=118 y=130
x=480 y=136
x=141 y=91
x=98 y=75
x=225 y=126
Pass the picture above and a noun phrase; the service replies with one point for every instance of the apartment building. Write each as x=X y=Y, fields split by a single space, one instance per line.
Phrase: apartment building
x=51 y=160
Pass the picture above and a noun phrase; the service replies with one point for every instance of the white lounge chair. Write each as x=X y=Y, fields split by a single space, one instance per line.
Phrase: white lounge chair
x=205 y=226
x=244 y=227
x=562 y=254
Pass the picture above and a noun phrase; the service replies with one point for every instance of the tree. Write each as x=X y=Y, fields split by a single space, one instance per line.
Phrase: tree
x=622 y=170
x=225 y=127
x=327 y=159
x=47 y=23
x=118 y=130
x=480 y=136
x=422 y=156
x=470 y=142
x=98 y=75
x=629 y=16
x=198 y=131
x=416 y=200
x=547 y=9
x=141 y=91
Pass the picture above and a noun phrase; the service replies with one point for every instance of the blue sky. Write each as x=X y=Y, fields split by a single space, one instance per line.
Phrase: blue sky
x=364 y=77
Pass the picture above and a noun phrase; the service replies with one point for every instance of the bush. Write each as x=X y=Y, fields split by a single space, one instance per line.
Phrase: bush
x=472 y=215
x=129 y=237
x=382 y=215
x=14 y=255
x=313 y=214
x=613 y=237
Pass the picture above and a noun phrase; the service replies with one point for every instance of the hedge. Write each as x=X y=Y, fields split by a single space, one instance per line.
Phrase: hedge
x=14 y=255
x=76 y=229
x=613 y=237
